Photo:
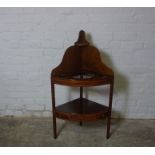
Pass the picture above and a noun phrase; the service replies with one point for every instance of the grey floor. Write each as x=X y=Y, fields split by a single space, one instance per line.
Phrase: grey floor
x=38 y=132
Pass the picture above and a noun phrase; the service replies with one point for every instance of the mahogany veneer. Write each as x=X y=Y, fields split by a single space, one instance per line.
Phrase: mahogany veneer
x=82 y=67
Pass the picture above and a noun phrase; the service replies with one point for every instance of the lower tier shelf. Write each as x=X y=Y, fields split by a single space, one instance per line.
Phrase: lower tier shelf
x=81 y=109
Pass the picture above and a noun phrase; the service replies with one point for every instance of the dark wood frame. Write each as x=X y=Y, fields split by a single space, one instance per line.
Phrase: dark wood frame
x=82 y=60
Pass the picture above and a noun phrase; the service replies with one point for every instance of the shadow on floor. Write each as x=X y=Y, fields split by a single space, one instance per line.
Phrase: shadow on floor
x=38 y=132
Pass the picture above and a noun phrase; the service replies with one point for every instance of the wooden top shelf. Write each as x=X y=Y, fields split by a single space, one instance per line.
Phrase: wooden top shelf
x=86 y=80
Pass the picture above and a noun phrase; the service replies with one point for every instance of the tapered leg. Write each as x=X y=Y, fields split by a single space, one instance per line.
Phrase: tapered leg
x=54 y=127
x=53 y=108
x=80 y=123
x=108 y=126
x=81 y=106
x=110 y=108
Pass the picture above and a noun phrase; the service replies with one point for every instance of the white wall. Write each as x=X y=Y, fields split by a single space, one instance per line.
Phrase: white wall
x=33 y=40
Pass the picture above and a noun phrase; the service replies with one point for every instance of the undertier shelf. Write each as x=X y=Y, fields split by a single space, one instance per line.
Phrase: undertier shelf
x=81 y=109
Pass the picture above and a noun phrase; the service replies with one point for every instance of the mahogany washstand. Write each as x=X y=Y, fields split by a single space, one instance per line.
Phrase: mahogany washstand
x=81 y=66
